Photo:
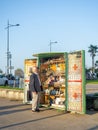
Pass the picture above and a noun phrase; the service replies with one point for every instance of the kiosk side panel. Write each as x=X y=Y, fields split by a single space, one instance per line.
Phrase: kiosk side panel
x=28 y=64
x=76 y=82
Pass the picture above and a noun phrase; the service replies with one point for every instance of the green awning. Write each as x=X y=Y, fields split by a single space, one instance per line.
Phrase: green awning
x=52 y=54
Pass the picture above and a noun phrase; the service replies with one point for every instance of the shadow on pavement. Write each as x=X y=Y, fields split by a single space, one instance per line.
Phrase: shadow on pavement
x=31 y=121
x=13 y=111
x=91 y=112
x=11 y=106
x=93 y=128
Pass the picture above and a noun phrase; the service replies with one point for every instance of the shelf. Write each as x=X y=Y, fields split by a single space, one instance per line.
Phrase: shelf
x=62 y=107
x=63 y=96
x=51 y=95
x=45 y=87
x=47 y=94
x=55 y=106
x=53 y=62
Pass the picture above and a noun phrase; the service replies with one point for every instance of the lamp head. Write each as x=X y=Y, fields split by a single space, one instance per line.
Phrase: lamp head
x=17 y=24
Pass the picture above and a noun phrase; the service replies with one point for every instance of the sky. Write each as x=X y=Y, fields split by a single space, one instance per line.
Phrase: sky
x=72 y=23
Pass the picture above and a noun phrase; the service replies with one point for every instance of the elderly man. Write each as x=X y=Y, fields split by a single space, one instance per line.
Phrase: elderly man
x=35 y=88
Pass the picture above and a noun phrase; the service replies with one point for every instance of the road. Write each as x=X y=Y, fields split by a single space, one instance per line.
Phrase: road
x=91 y=88
x=14 y=115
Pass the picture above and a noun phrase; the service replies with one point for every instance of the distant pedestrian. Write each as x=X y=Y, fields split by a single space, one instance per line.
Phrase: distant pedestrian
x=35 y=88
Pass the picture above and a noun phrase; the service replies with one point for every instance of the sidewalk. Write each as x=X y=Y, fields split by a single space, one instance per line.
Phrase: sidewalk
x=14 y=115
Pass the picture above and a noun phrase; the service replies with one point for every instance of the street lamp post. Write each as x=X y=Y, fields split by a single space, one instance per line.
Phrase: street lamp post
x=8 y=51
x=10 y=57
x=51 y=44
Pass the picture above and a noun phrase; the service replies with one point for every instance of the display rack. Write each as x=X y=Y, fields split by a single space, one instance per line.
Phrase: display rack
x=52 y=74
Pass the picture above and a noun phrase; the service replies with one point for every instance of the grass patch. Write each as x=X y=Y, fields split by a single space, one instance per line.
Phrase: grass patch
x=9 y=87
x=91 y=81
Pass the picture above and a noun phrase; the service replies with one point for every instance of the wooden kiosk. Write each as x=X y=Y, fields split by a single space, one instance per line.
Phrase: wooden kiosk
x=63 y=79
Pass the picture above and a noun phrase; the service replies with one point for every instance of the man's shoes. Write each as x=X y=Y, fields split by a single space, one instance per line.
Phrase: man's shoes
x=33 y=110
x=37 y=110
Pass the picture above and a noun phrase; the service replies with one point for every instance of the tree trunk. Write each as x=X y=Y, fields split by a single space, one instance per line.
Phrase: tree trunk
x=93 y=66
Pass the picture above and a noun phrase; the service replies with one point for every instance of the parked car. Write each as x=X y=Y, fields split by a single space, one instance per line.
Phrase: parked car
x=3 y=80
x=13 y=81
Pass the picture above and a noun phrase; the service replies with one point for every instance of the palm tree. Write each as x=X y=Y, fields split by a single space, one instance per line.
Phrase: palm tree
x=93 y=50
x=1 y=71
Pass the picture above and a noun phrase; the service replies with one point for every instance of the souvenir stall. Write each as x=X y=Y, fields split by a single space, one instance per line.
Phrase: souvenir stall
x=63 y=79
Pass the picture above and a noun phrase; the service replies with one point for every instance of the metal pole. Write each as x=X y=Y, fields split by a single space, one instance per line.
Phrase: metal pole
x=8 y=47
x=10 y=57
x=8 y=52
x=51 y=44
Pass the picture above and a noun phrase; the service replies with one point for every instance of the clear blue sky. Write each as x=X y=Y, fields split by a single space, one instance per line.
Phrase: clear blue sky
x=72 y=23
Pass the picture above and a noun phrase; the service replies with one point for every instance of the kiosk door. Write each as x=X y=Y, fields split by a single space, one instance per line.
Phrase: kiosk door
x=28 y=64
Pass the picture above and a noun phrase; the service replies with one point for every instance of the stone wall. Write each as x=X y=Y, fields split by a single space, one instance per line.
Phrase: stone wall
x=12 y=94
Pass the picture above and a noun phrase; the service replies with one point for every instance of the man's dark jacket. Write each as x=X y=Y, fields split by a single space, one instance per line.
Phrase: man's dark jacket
x=34 y=84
